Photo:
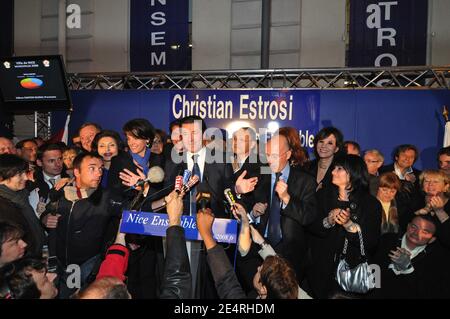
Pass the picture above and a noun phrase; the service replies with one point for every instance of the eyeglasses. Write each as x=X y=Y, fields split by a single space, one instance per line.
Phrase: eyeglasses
x=276 y=157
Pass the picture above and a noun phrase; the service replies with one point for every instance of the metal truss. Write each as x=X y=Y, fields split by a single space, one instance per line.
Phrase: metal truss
x=344 y=78
x=42 y=125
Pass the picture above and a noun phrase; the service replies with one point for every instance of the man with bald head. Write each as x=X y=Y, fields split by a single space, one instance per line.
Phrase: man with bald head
x=285 y=204
x=6 y=146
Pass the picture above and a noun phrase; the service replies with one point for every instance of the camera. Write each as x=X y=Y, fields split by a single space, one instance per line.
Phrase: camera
x=203 y=200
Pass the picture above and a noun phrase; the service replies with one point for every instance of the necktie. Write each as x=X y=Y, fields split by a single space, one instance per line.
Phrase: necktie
x=195 y=171
x=274 y=231
x=52 y=181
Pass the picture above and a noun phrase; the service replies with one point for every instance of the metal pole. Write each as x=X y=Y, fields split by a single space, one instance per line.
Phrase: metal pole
x=49 y=125
x=35 y=124
x=265 y=33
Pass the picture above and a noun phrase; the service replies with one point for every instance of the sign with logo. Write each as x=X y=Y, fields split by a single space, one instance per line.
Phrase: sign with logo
x=159 y=35
x=388 y=33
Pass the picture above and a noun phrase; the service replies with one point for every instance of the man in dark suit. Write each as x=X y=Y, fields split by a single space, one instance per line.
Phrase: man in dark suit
x=47 y=175
x=246 y=165
x=408 y=198
x=412 y=265
x=215 y=176
x=285 y=204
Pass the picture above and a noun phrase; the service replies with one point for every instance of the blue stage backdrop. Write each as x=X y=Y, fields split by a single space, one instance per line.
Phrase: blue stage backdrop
x=378 y=119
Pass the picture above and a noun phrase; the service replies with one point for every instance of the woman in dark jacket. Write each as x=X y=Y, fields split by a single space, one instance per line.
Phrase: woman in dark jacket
x=344 y=207
x=327 y=144
x=139 y=136
x=146 y=261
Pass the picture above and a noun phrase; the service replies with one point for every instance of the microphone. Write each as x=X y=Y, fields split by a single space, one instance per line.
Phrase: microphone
x=232 y=201
x=191 y=183
x=186 y=176
x=155 y=175
x=178 y=183
x=229 y=197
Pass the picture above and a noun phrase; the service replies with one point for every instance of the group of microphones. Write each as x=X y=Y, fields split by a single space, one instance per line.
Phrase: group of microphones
x=184 y=183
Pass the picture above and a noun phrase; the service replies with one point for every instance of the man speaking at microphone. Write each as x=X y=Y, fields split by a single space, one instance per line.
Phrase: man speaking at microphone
x=285 y=203
x=215 y=176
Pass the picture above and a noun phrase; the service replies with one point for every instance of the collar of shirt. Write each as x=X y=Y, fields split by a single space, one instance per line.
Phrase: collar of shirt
x=398 y=171
x=201 y=159
x=47 y=178
x=415 y=251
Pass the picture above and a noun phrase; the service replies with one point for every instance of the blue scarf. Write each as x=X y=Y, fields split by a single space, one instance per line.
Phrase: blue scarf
x=143 y=161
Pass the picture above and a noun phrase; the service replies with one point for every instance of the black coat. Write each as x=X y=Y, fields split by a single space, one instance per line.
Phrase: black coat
x=430 y=278
x=327 y=244
x=216 y=178
x=312 y=168
x=408 y=198
x=124 y=161
x=81 y=230
x=177 y=279
x=34 y=232
x=300 y=212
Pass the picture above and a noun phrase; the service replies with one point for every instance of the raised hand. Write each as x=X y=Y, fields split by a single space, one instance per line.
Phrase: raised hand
x=245 y=185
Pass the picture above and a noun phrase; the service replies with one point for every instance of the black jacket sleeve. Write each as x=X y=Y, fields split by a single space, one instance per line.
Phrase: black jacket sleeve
x=177 y=282
x=302 y=206
x=225 y=279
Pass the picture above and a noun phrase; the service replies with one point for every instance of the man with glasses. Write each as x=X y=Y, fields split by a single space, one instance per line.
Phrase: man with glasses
x=285 y=204
x=374 y=160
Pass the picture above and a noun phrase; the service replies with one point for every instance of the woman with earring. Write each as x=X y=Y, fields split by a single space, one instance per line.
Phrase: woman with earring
x=345 y=209
x=327 y=144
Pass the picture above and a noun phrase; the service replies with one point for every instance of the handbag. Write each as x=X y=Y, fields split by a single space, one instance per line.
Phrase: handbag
x=357 y=279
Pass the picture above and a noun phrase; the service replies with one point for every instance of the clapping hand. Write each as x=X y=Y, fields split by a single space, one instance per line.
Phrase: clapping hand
x=401 y=258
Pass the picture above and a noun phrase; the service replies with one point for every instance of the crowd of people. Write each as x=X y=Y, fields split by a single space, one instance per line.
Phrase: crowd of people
x=61 y=207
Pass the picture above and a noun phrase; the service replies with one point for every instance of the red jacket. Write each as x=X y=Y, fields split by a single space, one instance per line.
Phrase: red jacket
x=115 y=263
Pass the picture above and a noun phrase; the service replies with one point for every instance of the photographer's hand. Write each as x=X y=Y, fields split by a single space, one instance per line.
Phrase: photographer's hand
x=205 y=219
x=174 y=208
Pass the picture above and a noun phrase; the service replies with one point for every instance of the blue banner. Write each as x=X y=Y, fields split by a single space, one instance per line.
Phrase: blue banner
x=159 y=35
x=224 y=230
x=388 y=33
x=263 y=110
